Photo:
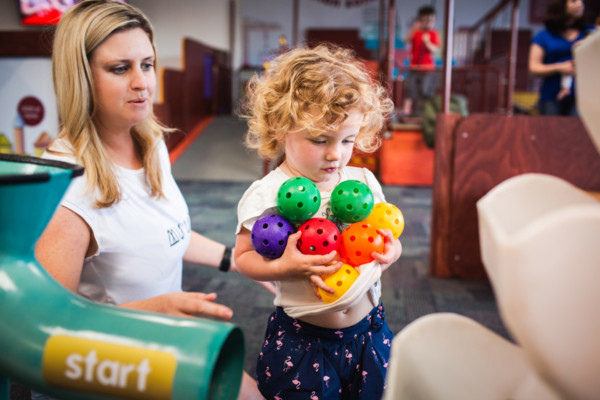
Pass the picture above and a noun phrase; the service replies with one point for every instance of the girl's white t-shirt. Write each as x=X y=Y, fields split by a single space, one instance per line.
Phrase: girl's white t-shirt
x=297 y=296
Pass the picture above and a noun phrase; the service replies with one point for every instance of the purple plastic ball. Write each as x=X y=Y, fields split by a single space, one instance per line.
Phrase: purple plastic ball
x=270 y=235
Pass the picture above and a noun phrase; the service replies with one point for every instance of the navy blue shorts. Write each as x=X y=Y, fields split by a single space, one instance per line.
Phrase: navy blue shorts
x=303 y=361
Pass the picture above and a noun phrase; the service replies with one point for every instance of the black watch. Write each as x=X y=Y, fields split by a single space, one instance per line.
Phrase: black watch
x=226 y=260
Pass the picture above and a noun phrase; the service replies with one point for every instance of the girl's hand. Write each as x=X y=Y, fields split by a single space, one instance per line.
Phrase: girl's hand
x=392 y=250
x=316 y=282
x=295 y=265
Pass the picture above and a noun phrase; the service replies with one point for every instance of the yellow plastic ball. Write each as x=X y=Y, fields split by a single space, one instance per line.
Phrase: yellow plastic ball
x=386 y=216
x=341 y=280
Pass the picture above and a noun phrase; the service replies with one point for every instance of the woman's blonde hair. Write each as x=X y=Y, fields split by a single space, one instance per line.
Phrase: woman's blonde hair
x=313 y=89
x=81 y=30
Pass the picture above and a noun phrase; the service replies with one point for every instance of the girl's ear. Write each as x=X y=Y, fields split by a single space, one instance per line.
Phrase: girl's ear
x=280 y=138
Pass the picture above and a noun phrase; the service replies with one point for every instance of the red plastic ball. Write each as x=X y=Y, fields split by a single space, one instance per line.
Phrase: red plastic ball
x=319 y=236
x=358 y=241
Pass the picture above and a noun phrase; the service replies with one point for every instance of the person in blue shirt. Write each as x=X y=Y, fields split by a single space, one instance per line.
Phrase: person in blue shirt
x=551 y=57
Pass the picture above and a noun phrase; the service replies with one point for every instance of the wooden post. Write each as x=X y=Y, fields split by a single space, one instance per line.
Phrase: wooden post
x=447 y=68
x=391 y=47
x=295 y=17
x=511 y=60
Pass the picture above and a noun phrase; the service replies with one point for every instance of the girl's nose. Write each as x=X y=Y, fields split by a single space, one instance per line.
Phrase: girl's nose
x=333 y=153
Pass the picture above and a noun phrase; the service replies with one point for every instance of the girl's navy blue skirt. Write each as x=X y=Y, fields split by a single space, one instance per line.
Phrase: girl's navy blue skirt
x=304 y=361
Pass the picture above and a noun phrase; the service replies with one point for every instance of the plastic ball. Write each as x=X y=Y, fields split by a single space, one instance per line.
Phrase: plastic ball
x=341 y=280
x=386 y=216
x=298 y=199
x=319 y=236
x=358 y=241
x=351 y=201
x=270 y=235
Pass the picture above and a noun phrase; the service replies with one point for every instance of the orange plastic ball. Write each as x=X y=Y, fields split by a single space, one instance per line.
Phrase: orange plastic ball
x=358 y=241
x=341 y=280
x=386 y=216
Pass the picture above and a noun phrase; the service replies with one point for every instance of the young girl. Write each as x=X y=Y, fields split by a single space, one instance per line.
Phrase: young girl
x=310 y=109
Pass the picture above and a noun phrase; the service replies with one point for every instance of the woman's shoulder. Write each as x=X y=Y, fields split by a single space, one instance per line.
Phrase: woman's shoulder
x=541 y=36
x=60 y=150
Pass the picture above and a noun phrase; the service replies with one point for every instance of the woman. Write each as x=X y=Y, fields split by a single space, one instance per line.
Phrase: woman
x=123 y=230
x=551 y=58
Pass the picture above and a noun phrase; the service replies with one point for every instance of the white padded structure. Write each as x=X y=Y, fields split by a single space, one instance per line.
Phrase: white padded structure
x=540 y=245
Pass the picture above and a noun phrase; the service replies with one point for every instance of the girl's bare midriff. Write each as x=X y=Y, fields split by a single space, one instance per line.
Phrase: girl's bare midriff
x=345 y=318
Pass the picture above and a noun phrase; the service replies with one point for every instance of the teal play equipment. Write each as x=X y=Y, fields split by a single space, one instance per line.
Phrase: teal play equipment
x=61 y=344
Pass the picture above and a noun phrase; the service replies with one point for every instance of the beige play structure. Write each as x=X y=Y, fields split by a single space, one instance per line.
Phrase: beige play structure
x=540 y=246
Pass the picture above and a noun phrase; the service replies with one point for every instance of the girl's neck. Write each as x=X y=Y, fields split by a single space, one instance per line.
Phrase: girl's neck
x=324 y=186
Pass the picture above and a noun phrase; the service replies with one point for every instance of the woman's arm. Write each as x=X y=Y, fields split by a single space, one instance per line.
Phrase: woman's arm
x=63 y=246
x=67 y=240
x=538 y=68
x=203 y=250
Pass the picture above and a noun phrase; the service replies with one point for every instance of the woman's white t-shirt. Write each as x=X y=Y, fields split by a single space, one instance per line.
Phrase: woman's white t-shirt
x=141 y=239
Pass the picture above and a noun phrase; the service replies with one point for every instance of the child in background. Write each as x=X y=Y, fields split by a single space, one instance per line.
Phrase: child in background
x=310 y=109
x=424 y=42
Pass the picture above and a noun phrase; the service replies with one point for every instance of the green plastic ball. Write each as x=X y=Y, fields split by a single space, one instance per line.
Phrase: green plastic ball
x=351 y=201
x=298 y=199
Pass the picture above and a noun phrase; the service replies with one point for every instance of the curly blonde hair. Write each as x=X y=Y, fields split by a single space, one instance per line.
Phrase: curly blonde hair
x=313 y=89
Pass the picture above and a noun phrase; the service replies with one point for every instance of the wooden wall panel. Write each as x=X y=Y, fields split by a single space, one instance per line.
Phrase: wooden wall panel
x=26 y=43
x=171 y=107
x=195 y=105
x=489 y=149
x=442 y=194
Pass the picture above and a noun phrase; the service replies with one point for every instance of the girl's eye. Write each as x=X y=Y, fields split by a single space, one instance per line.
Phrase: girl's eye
x=349 y=141
x=317 y=141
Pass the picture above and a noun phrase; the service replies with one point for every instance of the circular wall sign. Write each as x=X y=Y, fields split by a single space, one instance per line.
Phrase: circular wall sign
x=31 y=110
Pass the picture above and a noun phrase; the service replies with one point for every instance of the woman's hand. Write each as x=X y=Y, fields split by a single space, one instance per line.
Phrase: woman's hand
x=565 y=67
x=183 y=304
x=538 y=68
x=392 y=249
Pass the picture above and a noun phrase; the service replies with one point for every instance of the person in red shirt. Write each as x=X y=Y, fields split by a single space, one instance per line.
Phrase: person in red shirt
x=424 y=42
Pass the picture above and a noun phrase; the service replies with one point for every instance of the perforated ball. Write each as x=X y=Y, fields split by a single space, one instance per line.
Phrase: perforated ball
x=270 y=235
x=358 y=241
x=319 y=236
x=341 y=281
x=386 y=216
x=351 y=201
x=298 y=199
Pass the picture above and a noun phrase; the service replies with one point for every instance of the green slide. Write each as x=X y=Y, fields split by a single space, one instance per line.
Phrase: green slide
x=61 y=344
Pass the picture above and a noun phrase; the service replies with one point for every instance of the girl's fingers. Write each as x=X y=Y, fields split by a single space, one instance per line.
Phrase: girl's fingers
x=318 y=282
